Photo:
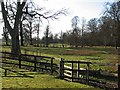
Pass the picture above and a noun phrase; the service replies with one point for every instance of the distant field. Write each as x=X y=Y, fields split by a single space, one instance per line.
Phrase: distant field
x=93 y=54
x=107 y=55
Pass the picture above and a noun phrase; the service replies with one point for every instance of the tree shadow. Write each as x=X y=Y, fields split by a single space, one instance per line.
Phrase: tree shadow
x=19 y=76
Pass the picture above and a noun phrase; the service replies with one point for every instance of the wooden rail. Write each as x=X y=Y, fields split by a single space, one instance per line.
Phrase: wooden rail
x=74 y=71
x=34 y=61
x=71 y=73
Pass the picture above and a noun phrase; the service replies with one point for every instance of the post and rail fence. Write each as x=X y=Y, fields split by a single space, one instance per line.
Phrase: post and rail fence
x=31 y=61
x=75 y=71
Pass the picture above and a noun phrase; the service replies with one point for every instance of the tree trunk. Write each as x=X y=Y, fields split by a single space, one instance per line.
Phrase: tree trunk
x=31 y=42
x=13 y=31
x=15 y=45
x=6 y=39
x=21 y=34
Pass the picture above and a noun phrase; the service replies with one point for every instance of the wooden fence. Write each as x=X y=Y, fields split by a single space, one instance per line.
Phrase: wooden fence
x=69 y=72
x=80 y=71
x=33 y=62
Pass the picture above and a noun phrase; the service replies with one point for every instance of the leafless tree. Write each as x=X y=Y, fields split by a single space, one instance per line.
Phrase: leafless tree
x=83 y=27
x=113 y=10
x=12 y=18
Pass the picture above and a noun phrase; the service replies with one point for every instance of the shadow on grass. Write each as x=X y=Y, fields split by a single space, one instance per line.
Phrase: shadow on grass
x=47 y=89
x=20 y=76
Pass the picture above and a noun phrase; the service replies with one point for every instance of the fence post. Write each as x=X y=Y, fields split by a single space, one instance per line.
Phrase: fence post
x=5 y=72
x=19 y=61
x=61 y=69
x=5 y=56
x=35 y=63
x=87 y=75
x=118 y=76
x=78 y=72
x=52 y=66
x=72 y=72
x=25 y=51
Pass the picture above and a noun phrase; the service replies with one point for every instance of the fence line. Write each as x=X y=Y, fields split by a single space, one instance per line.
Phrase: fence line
x=35 y=61
x=66 y=71
x=72 y=71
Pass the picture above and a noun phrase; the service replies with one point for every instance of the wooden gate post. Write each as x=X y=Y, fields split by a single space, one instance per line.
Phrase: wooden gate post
x=61 y=68
x=35 y=62
x=5 y=56
x=87 y=74
x=72 y=72
x=78 y=72
x=19 y=61
x=25 y=51
x=118 y=76
x=52 y=66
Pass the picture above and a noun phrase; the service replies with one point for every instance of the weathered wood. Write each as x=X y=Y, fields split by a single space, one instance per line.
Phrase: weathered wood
x=82 y=62
x=35 y=64
x=118 y=76
x=69 y=67
x=78 y=72
x=67 y=71
x=5 y=72
x=52 y=66
x=61 y=69
x=20 y=61
x=87 y=74
x=72 y=72
x=69 y=75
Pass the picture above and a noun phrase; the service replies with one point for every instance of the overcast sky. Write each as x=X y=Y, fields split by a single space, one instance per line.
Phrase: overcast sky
x=82 y=8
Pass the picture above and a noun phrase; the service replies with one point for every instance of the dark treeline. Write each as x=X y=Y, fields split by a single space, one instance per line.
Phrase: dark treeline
x=103 y=31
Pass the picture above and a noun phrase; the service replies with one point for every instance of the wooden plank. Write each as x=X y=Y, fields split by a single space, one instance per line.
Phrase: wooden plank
x=65 y=74
x=82 y=62
x=118 y=76
x=61 y=69
x=12 y=58
x=82 y=69
x=51 y=66
x=78 y=67
x=67 y=71
x=35 y=64
x=72 y=71
x=28 y=55
x=10 y=63
x=69 y=67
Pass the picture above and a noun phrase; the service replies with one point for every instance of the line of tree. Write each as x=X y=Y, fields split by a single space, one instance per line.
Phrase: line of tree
x=103 y=31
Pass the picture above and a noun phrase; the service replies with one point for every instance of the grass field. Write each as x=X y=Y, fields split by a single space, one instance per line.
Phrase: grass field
x=36 y=80
x=105 y=55
x=92 y=54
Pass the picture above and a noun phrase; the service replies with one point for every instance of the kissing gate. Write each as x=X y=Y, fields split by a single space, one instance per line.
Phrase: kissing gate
x=77 y=71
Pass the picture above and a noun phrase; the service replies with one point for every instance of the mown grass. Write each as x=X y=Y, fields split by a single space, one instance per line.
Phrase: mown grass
x=38 y=80
x=92 y=54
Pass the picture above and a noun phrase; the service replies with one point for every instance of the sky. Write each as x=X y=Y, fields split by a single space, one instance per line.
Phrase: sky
x=82 y=8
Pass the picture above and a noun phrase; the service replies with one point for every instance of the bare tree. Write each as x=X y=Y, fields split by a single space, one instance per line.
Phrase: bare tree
x=83 y=27
x=47 y=33
x=113 y=10
x=5 y=35
x=13 y=30
x=92 y=27
x=16 y=15
x=76 y=31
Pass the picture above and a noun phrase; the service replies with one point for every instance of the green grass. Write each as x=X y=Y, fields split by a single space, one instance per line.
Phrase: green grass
x=38 y=80
x=92 y=54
